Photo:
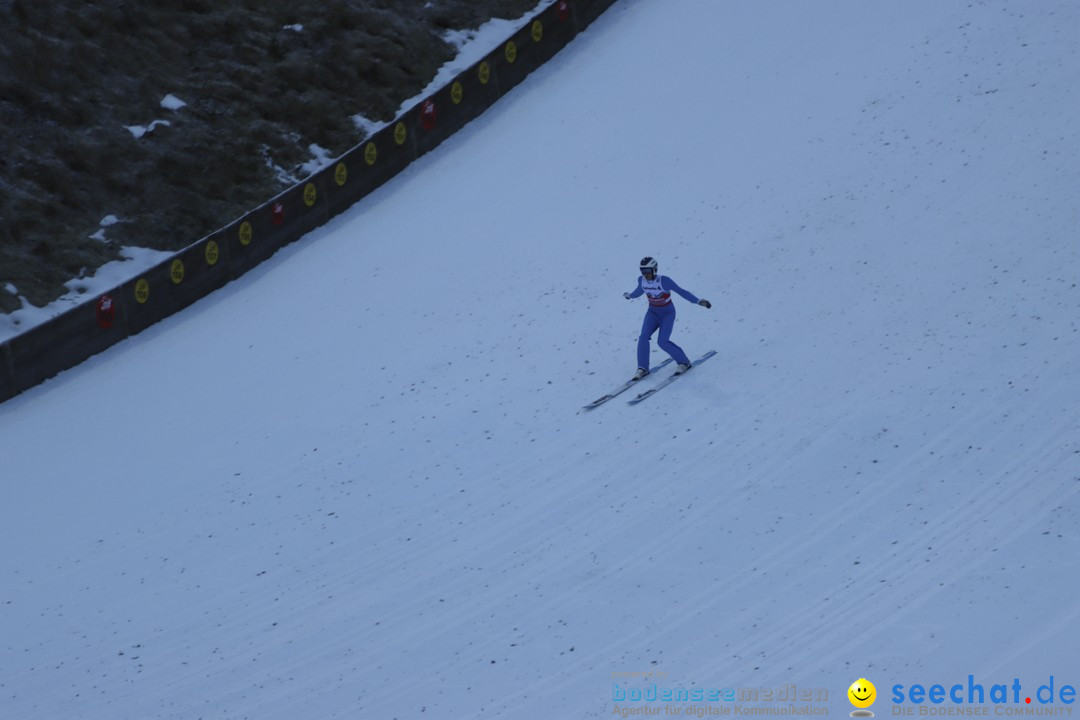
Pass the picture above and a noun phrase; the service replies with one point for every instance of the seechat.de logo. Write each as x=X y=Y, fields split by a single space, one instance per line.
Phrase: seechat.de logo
x=862 y=695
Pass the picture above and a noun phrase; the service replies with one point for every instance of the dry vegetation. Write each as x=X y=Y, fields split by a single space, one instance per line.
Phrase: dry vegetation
x=74 y=74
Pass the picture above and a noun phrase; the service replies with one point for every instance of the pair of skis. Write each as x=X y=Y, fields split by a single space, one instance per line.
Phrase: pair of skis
x=651 y=391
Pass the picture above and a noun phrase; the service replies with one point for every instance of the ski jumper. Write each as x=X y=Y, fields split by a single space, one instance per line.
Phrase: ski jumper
x=660 y=315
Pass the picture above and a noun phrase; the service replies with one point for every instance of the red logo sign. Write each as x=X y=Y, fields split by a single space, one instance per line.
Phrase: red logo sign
x=106 y=312
x=427 y=114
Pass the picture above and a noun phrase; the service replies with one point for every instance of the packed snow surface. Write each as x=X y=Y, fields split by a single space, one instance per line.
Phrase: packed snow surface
x=357 y=483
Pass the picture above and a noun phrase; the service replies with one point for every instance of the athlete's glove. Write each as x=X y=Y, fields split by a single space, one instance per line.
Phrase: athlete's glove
x=705 y=304
x=627 y=296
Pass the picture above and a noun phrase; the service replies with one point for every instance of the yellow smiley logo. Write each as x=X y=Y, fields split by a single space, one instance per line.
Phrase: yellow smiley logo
x=862 y=693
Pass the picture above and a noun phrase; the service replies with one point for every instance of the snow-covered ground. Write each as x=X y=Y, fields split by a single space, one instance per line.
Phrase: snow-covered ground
x=356 y=483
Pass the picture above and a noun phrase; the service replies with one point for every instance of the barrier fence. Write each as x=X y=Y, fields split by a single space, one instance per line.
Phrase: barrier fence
x=45 y=350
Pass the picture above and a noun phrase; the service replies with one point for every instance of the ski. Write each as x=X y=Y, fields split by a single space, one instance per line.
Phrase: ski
x=670 y=379
x=622 y=388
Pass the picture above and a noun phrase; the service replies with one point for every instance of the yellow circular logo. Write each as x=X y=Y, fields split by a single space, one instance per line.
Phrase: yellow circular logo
x=862 y=693
x=456 y=92
x=213 y=252
x=341 y=174
x=400 y=133
x=511 y=52
x=484 y=73
x=245 y=233
x=537 y=31
x=142 y=291
x=176 y=272
x=371 y=153
x=310 y=194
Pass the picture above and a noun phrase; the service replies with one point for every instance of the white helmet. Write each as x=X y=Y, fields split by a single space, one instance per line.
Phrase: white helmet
x=648 y=264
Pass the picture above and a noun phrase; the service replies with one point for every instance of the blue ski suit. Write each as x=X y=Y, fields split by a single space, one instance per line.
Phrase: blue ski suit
x=660 y=315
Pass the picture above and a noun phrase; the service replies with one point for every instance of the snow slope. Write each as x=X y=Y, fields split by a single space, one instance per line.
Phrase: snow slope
x=356 y=482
